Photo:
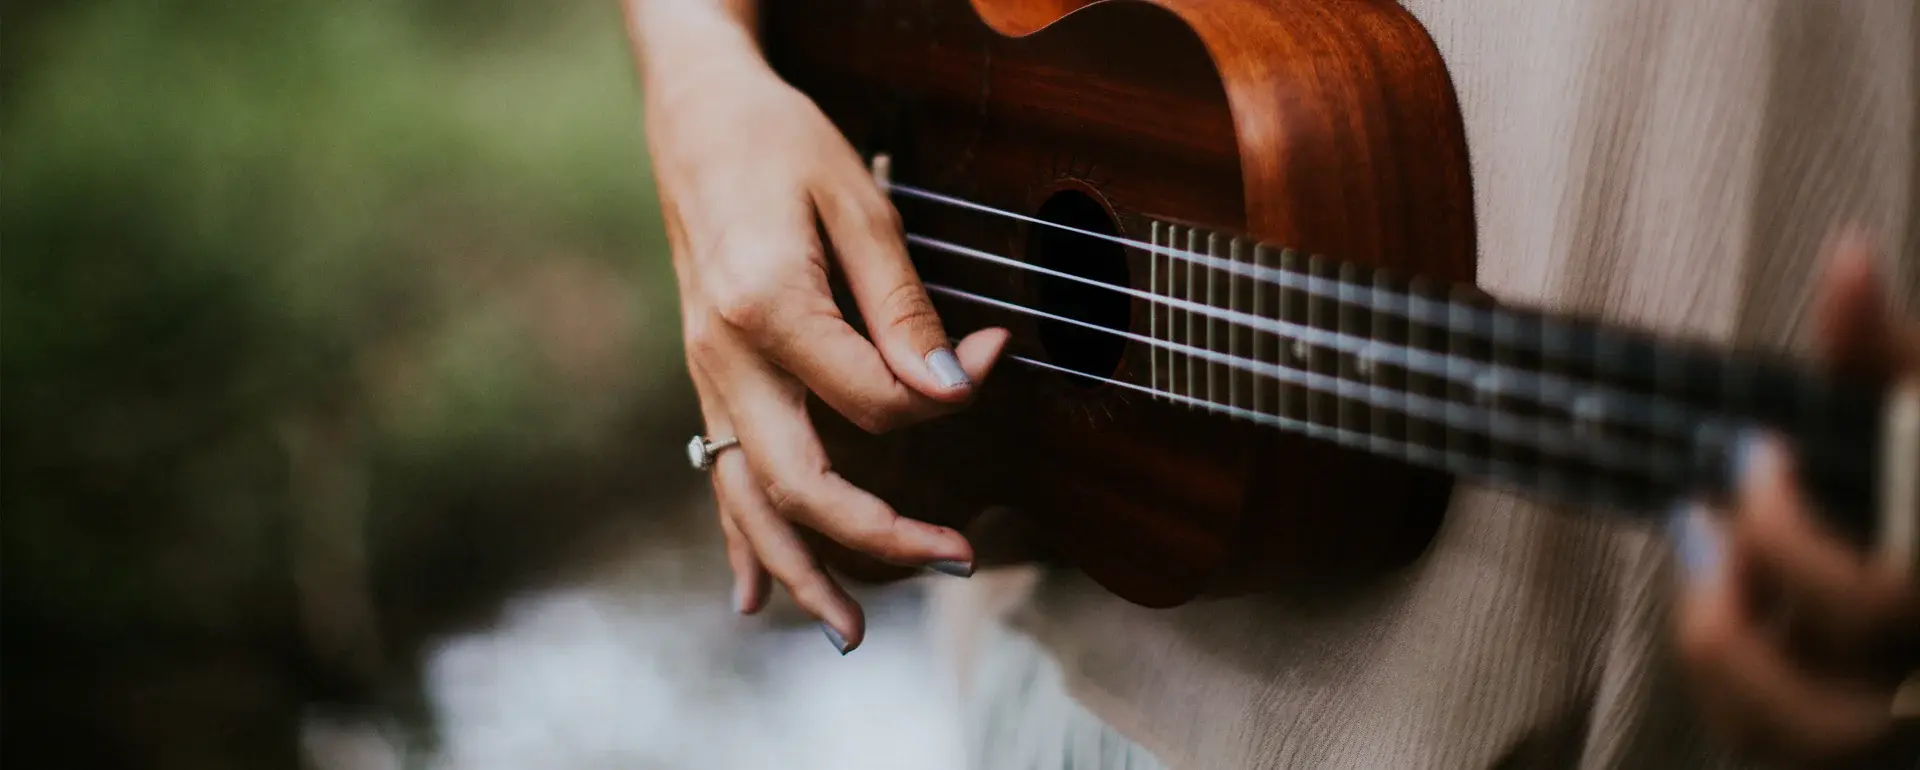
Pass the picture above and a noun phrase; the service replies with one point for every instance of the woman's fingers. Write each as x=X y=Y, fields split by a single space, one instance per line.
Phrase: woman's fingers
x=749 y=578
x=780 y=548
x=981 y=350
x=871 y=247
x=1820 y=688
x=792 y=468
x=1856 y=334
x=776 y=299
x=764 y=284
x=760 y=544
x=769 y=282
x=1847 y=603
x=1753 y=691
x=762 y=331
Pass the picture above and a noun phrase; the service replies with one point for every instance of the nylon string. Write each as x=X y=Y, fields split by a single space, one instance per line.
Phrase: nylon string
x=1517 y=431
x=1649 y=412
x=1470 y=320
x=1411 y=452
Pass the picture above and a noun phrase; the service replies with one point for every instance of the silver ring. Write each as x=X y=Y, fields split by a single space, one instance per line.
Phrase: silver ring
x=700 y=451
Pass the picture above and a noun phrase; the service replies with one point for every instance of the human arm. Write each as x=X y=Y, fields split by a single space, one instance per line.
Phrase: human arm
x=750 y=172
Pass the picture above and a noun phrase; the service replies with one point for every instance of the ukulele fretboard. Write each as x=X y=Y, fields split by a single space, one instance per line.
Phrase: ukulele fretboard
x=1440 y=376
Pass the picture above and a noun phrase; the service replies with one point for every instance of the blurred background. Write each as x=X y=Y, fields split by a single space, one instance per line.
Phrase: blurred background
x=343 y=412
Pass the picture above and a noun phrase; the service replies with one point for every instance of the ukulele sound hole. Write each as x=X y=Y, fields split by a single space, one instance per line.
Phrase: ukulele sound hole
x=1084 y=350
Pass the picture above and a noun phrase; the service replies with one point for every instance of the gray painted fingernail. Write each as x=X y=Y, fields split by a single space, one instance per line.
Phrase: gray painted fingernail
x=946 y=369
x=952 y=567
x=1749 y=450
x=1696 y=541
x=740 y=598
x=839 y=642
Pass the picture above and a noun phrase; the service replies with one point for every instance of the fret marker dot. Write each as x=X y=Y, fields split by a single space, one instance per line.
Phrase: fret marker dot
x=1485 y=385
x=1589 y=411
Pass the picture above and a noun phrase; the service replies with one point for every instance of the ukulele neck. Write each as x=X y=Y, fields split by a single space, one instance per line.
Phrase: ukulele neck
x=1555 y=406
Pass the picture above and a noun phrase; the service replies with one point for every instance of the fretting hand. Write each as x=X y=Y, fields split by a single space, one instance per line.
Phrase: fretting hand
x=746 y=166
x=1819 y=690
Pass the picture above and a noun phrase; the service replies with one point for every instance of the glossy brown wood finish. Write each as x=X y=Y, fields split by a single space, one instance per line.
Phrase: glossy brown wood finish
x=1328 y=126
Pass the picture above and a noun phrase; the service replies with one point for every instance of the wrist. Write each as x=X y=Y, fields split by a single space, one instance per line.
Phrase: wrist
x=680 y=45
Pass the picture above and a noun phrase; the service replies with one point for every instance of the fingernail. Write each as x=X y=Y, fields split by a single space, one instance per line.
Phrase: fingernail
x=946 y=369
x=1752 y=458
x=740 y=598
x=839 y=642
x=958 y=569
x=1696 y=541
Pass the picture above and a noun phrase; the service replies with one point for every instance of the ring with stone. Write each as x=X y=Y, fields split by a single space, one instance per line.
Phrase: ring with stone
x=701 y=451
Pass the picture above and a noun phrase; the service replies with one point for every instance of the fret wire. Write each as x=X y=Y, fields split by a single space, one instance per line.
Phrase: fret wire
x=1153 y=308
x=1394 y=331
x=1215 y=327
x=1353 y=321
x=1321 y=406
x=1461 y=390
x=1261 y=400
x=1423 y=337
x=1234 y=335
x=1483 y=422
x=1193 y=317
x=1293 y=310
x=1177 y=315
x=1652 y=411
x=1508 y=356
x=1558 y=358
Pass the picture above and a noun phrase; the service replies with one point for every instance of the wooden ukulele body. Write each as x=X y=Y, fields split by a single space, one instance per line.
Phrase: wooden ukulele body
x=1329 y=126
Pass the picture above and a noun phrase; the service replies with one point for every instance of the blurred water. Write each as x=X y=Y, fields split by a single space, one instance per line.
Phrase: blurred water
x=643 y=665
x=591 y=679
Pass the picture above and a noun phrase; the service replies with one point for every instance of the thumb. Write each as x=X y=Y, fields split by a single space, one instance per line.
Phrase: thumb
x=1856 y=334
x=900 y=317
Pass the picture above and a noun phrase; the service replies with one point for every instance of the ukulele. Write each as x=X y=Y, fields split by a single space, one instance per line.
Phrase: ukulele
x=1234 y=243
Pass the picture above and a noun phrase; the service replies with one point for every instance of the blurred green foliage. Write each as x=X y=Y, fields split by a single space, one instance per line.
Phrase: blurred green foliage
x=425 y=229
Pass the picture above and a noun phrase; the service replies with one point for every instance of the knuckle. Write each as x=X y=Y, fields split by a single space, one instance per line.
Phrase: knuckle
x=880 y=219
x=907 y=306
x=875 y=419
x=884 y=410
x=752 y=281
x=746 y=302
x=785 y=496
